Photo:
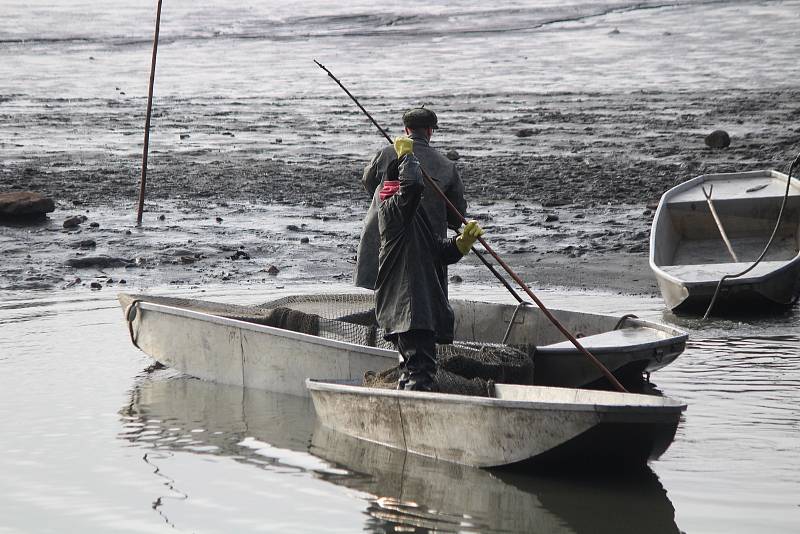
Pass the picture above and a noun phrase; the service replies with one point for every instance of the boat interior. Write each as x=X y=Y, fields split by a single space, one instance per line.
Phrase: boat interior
x=690 y=245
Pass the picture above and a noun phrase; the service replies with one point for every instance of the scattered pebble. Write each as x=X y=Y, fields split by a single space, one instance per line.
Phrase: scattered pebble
x=96 y=285
x=185 y=136
x=240 y=255
x=456 y=279
x=272 y=271
x=74 y=221
x=525 y=132
x=219 y=219
x=551 y=217
x=304 y=240
x=94 y=225
x=452 y=155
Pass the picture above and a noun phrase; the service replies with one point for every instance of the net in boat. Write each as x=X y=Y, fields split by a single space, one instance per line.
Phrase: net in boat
x=464 y=367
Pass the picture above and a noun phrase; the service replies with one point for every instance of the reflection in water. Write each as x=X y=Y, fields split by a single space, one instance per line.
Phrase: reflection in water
x=405 y=492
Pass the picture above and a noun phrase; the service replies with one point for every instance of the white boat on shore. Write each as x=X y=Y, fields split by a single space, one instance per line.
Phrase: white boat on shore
x=237 y=345
x=516 y=425
x=689 y=255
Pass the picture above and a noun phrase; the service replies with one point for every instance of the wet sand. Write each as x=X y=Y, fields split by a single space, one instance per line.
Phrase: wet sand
x=565 y=183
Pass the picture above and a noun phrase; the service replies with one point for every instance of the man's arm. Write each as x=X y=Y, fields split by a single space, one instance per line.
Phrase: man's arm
x=448 y=251
x=455 y=194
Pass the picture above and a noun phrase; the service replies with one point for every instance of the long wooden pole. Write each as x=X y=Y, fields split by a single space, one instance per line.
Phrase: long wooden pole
x=602 y=368
x=143 y=183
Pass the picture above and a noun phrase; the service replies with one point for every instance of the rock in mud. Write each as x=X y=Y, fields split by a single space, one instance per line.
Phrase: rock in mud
x=240 y=255
x=455 y=279
x=99 y=262
x=718 y=139
x=551 y=217
x=74 y=221
x=96 y=285
x=84 y=243
x=525 y=132
x=304 y=240
x=25 y=205
x=272 y=271
x=452 y=155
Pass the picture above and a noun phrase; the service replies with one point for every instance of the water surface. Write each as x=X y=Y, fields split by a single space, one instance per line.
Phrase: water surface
x=94 y=443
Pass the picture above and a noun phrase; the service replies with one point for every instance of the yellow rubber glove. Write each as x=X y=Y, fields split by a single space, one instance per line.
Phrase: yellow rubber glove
x=403 y=146
x=468 y=237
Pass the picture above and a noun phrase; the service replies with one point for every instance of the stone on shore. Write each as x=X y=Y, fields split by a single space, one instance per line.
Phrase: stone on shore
x=718 y=139
x=99 y=262
x=25 y=205
x=75 y=221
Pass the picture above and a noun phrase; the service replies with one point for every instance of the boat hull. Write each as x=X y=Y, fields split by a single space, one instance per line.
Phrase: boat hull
x=533 y=423
x=240 y=353
x=227 y=344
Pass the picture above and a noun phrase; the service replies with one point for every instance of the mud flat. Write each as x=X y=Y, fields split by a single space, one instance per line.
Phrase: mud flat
x=565 y=183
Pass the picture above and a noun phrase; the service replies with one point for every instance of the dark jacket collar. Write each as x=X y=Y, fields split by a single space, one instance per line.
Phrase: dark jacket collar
x=419 y=138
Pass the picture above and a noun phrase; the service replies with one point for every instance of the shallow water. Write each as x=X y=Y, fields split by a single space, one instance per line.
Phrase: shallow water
x=92 y=443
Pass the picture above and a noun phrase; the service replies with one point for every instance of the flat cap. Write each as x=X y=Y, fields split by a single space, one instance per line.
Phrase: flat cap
x=420 y=118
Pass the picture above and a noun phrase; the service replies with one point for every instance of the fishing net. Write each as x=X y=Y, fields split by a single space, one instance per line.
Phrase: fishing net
x=466 y=368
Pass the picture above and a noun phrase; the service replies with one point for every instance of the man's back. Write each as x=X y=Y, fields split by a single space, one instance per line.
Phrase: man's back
x=438 y=167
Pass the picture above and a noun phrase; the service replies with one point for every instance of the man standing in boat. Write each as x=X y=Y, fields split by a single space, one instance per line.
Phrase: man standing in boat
x=411 y=291
x=419 y=126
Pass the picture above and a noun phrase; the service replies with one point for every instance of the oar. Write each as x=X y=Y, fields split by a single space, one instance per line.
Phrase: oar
x=718 y=221
x=602 y=368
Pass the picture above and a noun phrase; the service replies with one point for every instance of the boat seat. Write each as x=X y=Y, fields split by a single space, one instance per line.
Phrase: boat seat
x=635 y=335
x=710 y=273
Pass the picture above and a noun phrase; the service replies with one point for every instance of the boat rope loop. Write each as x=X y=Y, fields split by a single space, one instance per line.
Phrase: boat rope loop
x=130 y=315
x=521 y=304
x=625 y=318
x=766 y=248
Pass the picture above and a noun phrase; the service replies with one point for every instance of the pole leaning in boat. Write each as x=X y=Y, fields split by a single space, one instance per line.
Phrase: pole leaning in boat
x=717 y=220
x=430 y=181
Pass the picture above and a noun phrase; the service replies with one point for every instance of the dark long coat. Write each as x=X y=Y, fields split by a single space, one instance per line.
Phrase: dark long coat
x=411 y=289
x=449 y=181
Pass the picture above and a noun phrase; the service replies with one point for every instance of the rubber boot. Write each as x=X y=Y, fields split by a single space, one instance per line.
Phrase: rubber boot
x=418 y=350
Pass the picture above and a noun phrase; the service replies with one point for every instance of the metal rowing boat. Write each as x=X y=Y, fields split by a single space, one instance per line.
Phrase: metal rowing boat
x=231 y=344
x=517 y=425
x=688 y=251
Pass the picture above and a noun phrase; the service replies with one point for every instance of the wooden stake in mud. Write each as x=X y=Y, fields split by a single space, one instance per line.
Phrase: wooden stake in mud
x=147 y=119
x=602 y=368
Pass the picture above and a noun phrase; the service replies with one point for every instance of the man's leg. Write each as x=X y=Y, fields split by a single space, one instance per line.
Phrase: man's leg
x=418 y=351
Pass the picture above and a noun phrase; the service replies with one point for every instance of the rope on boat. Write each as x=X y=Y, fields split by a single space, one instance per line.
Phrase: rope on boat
x=129 y=318
x=625 y=318
x=766 y=248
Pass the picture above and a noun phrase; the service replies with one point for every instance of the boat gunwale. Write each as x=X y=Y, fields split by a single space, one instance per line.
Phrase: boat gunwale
x=678 y=336
x=280 y=332
x=673 y=406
